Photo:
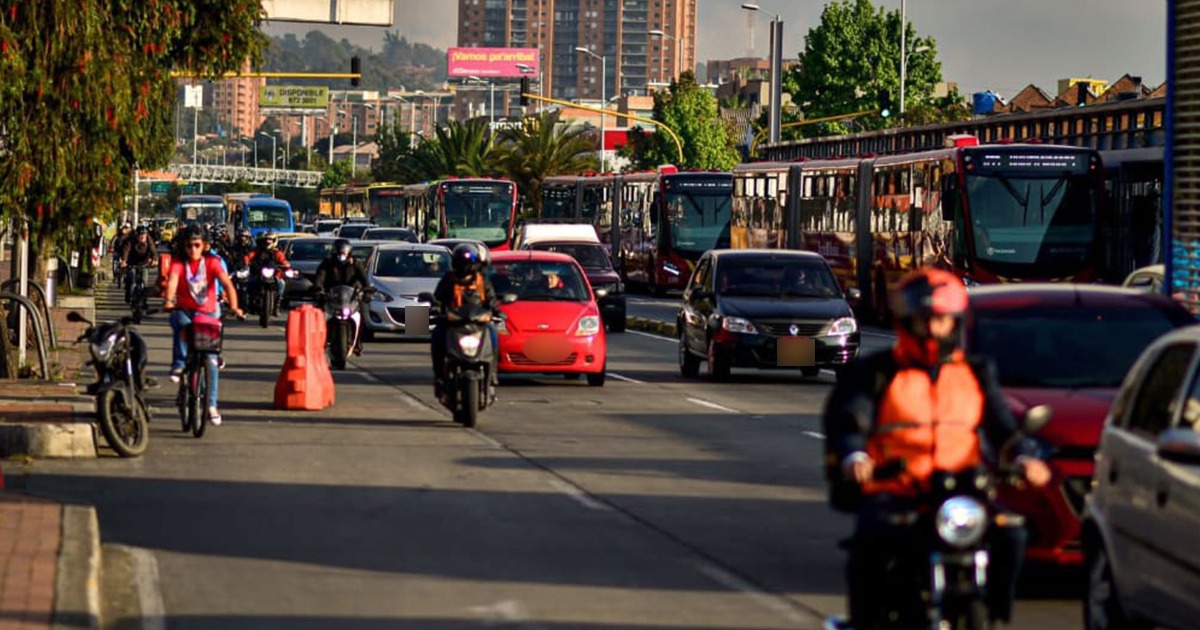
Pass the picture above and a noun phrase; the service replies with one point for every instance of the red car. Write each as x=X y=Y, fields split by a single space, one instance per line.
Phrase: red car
x=554 y=325
x=1068 y=346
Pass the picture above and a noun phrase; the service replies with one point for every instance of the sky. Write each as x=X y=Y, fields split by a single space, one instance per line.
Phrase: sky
x=983 y=44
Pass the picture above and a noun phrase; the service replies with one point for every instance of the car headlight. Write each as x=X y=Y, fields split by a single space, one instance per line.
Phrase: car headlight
x=380 y=296
x=738 y=325
x=843 y=326
x=102 y=350
x=588 y=325
x=469 y=344
x=961 y=521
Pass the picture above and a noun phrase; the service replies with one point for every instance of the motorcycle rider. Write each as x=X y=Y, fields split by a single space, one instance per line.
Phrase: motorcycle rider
x=267 y=253
x=191 y=289
x=138 y=252
x=465 y=281
x=340 y=268
x=242 y=246
x=926 y=402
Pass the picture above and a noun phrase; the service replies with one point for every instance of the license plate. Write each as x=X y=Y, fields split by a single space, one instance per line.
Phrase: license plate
x=796 y=352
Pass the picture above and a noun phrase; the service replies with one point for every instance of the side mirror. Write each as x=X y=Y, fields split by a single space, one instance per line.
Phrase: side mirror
x=1036 y=419
x=853 y=295
x=426 y=297
x=1180 y=445
x=75 y=318
x=508 y=298
x=600 y=293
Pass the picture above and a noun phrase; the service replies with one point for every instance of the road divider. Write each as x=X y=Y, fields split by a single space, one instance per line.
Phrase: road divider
x=643 y=324
x=305 y=382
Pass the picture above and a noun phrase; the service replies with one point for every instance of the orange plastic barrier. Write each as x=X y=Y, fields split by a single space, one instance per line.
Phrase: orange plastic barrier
x=305 y=382
x=164 y=270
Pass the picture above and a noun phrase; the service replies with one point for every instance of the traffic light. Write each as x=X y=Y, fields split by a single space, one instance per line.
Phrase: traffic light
x=524 y=90
x=885 y=103
x=356 y=69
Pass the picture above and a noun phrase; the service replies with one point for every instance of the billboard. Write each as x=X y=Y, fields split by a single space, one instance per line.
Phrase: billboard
x=358 y=12
x=493 y=62
x=293 y=97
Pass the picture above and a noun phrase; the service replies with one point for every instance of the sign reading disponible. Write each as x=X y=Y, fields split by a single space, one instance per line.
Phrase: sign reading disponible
x=493 y=62
x=293 y=97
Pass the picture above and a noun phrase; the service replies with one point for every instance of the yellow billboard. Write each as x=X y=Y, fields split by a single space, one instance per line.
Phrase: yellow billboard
x=293 y=96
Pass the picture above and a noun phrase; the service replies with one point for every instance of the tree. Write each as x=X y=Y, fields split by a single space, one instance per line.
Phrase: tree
x=463 y=149
x=852 y=56
x=692 y=113
x=336 y=174
x=87 y=95
x=543 y=146
x=395 y=146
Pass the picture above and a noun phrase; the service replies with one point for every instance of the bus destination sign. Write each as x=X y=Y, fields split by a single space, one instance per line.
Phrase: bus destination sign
x=714 y=185
x=1032 y=161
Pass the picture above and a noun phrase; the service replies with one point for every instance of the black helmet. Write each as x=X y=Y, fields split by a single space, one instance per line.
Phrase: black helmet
x=193 y=232
x=342 y=246
x=465 y=260
x=141 y=229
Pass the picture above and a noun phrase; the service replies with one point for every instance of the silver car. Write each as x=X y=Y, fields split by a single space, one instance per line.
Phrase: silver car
x=400 y=272
x=1140 y=525
x=305 y=255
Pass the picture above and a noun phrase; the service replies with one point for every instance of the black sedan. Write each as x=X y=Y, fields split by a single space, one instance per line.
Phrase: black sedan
x=766 y=309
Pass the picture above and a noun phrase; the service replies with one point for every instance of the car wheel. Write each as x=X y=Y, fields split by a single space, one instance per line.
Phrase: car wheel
x=689 y=364
x=617 y=324
x=597 y=379
x=718 y=363
x=1102 y=608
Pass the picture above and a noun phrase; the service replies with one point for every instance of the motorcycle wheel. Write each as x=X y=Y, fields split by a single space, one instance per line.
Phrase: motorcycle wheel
x=123 y=425
x=968 y=615
x=268 y=305
x=337 y=345
x=199 y=394
x=467 y=412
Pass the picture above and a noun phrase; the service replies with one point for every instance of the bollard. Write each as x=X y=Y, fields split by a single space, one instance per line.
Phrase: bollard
x=305 y=382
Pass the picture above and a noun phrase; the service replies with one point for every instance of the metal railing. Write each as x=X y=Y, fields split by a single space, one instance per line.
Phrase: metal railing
x=260 y=176
x=38 y=333
x=8 y=285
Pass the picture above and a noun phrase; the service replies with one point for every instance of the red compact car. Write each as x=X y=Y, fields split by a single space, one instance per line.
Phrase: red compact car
x=1069 y=347
x=553 y=322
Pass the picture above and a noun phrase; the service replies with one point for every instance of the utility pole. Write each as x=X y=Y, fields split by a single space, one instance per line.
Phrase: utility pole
x=903 y=53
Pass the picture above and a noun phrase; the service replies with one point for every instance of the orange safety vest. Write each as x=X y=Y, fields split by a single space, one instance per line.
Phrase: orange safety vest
x=460 y=290
x=930 y=425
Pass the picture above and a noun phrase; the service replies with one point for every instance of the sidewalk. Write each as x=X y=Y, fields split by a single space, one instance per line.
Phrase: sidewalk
x=30 y=537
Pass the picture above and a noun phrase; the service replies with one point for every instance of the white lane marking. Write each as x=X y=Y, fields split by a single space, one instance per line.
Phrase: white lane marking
x=626 y=378
x=772 y=603
x=814 y=434
x=712 y=405
x=578 y=495
x=369 y=377
x=507 y=612
x=150 y=602
x=485 y=439
x=652 y=336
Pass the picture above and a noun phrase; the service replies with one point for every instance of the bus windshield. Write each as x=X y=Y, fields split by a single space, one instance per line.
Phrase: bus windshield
x=1043 y=224
x=202 y=212
x=479 y=211
x=558 y=203
x=268 y=217
x=698 y=221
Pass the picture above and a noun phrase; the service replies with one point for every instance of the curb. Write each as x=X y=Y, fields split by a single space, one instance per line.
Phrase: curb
x=651 y=326
x=77 y=586
x=51 y=440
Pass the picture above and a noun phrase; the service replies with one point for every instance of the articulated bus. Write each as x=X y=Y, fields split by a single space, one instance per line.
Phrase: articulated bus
x=666 y=219
x=200 y=209
x=475 y=208
x=995 y=213
x=1134 y=183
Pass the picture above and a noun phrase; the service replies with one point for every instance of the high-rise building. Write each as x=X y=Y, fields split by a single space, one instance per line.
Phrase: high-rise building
x=236 y=103
x=620 y=30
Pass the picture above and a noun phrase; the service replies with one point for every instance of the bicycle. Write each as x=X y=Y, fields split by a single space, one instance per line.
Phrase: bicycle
x=138 y=296
x=204 y=338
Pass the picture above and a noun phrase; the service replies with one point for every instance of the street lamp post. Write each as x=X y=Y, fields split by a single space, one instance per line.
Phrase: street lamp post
x=776 y=72
x=678 y=50
x=272 y=137
x=603 y=95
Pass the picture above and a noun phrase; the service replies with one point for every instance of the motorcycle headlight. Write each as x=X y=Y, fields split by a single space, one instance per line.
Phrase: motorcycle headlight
x=346 y=313
x=961 y=521
x=267 y=272
x=738 y=325
x=588 y=325
x=242 y=273
x=469 y=344
x=103 y=349
x=843 y=326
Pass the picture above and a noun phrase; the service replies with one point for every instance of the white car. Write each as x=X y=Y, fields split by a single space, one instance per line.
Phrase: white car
x=400 y=272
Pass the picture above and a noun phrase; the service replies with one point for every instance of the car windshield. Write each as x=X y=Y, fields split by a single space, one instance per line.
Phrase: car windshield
x=362 y=252
x=353 y=231
x=588 y=255
x=411 y=264
x=305 y=249
x=776 y=277
x=537 y=280
x=1067 y=346
x=391 y=234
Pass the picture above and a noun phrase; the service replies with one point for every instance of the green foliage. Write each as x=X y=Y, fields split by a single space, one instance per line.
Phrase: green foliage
x=463 y=149
x=543 y=146
x=87 y=94
x=400 y=63
x=692 y=113
x=336 y=174
x=395 y=146
x=852 y=55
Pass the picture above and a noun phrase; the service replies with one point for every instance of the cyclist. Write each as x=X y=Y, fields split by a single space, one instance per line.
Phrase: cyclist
x=267 y=253
x=138 y=252
x=192 y=289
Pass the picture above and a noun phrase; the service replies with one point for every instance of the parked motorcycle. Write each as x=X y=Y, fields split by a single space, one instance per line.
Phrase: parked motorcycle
x=469 y=354
x=343 y=323
x=119 y=358
x=949 y=558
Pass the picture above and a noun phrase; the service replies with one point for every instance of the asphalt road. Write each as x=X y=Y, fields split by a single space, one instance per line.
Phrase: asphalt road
x=653 y=502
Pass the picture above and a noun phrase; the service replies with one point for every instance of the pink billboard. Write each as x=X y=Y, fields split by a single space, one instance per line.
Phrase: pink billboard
x=493 y=62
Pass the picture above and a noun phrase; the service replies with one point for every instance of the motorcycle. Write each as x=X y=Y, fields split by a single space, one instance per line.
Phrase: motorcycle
x=343 y=322
x=469 y=354
x=119 y=357
x=950 y=559
x=241 y=282
x=265 y=298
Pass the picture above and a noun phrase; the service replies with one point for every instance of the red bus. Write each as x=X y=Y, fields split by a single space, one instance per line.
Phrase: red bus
x=474 y=208
x=665 y=220
x=995 y=213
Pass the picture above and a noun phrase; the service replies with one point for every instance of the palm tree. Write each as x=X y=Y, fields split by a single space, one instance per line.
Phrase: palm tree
x=459 y=149
x=540 y=147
